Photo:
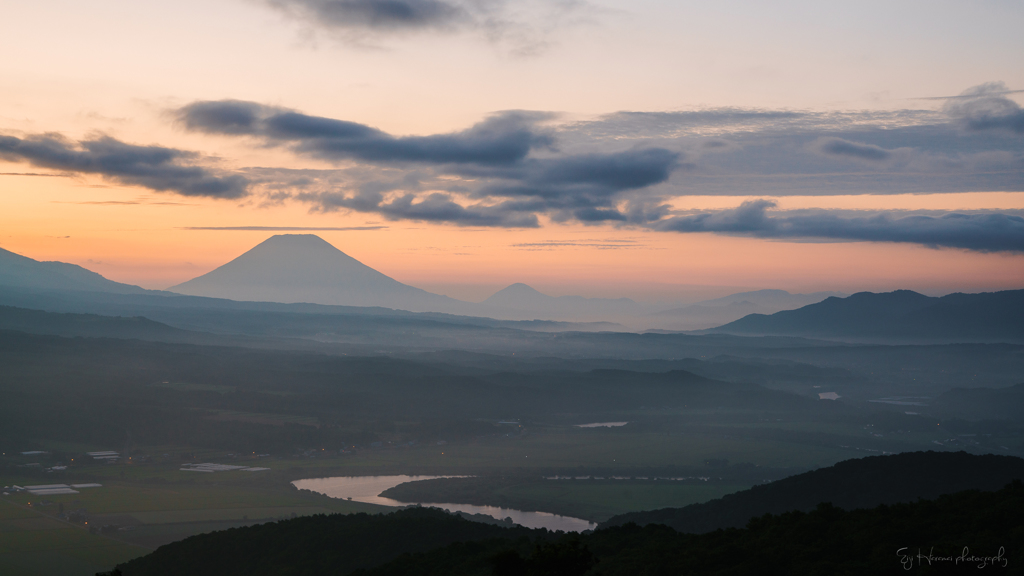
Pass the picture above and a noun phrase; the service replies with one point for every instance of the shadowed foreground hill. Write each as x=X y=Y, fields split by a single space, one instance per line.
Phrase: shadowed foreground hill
x=321 y=544
x=850 y=484
x=984 y=527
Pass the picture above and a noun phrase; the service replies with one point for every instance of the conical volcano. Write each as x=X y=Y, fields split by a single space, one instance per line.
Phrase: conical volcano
x=294 y=268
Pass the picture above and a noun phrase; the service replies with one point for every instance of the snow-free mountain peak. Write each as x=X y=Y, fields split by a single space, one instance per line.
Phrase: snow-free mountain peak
x=305 y=268
x=514 y=294
x=524 y=298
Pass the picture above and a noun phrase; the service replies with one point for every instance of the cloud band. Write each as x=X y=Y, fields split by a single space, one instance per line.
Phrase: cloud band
x=983 y=232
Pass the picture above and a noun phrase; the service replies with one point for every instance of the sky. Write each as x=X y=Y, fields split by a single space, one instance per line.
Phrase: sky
x=655 y=150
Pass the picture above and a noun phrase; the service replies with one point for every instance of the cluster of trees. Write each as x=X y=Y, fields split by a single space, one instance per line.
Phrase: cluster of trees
x=961 y=532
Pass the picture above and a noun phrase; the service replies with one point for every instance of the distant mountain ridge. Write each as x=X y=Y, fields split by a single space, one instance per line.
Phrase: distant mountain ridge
x=766 y=297
x=525 y=298
x=92 y=326
x=304 y=268
x=989 y=316
x=24 y=272
x=718 y=311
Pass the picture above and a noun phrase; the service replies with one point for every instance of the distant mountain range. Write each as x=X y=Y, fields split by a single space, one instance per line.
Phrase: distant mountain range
x=306 y=271
x=766 y=298
x=523 y=298
x=719 y=311
x=903 y=314
x=293 y=268
x=22 y=272
x=303 y=268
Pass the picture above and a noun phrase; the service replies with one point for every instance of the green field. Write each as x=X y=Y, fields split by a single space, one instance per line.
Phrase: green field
x=32 y=543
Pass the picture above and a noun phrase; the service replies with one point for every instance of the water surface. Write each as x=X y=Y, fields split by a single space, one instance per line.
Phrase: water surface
x=368 y=488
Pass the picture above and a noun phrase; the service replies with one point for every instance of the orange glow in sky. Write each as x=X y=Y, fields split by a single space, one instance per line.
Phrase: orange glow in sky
x=140 y=237
x=790 y=97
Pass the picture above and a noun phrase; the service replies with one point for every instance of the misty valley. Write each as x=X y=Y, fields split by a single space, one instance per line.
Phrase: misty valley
x=511 y=288
x=155 y=432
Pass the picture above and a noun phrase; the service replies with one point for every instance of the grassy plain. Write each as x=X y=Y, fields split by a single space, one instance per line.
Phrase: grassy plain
x=156 y=505
x=34 y=544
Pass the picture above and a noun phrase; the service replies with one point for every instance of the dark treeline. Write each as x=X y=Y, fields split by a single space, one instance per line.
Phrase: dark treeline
x=827 y=540
x=321 y=544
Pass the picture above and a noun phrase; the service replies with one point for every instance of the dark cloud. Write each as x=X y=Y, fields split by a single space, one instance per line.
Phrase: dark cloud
x=583 y=187
x=756 y=142
x=436 y=207
x=502 y=139
x=492 y=164
x=840 y=147
x=524 y=27
x=986 y=107
x=985 y=232
x=236 y=117
x=154 y=167
x=379 y=15
x=516 y=168
x=735 y=152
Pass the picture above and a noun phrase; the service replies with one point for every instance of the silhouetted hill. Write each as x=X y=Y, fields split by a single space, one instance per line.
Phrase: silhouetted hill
x=770 y=298
x=334 y=544
x=988 y=316
x=23 y=272
x=718 y=311
x=293 y=268
x=828 y=540
x=850 y=484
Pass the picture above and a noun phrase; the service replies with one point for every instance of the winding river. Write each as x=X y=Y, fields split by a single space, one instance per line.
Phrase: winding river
x=367 y=489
